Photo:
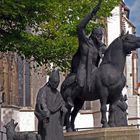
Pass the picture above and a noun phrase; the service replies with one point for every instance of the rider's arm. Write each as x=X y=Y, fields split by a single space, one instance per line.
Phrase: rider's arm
x=102 y=50
x=84 y=22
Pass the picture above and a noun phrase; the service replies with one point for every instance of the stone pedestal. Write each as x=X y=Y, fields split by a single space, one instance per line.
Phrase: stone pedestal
x=117 y=133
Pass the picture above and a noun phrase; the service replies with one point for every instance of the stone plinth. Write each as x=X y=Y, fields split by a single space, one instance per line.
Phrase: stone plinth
x=117 y=133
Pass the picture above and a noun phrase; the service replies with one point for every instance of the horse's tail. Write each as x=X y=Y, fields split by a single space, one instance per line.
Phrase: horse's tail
x=68 y=82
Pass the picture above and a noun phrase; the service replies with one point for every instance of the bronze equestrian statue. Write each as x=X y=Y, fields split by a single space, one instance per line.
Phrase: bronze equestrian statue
x=106 y=81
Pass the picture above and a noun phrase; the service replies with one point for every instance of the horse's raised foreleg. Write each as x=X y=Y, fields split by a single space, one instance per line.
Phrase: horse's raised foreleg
x=103 y=101
x=77 y=106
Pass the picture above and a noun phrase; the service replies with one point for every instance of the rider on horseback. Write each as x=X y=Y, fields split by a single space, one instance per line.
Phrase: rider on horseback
x=88 y=55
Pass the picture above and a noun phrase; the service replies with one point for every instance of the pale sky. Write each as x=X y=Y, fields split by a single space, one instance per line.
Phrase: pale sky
x=134 y=6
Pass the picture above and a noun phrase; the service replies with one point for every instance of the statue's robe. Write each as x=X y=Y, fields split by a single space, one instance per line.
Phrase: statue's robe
x=120 y=114
x=48 y=107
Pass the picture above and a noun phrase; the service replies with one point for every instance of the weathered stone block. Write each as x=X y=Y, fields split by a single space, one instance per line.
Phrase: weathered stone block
x=117 y=133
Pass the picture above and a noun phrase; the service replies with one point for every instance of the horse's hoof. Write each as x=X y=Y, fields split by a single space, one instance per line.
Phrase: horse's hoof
x=69 y=130
x=74 y=129
x=105 y=126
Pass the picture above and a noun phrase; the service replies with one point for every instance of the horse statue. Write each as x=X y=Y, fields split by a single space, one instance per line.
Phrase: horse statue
x=107 y=81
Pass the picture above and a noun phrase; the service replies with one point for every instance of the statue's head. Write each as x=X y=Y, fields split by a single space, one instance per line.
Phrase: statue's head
x=97 y=34
x=54 y=79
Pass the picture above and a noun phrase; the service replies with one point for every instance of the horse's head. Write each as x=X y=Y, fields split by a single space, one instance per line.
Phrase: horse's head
x=130 y=42
x=119 y=48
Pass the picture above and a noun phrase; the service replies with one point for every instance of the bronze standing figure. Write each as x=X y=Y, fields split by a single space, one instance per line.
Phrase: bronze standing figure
x=50 y=109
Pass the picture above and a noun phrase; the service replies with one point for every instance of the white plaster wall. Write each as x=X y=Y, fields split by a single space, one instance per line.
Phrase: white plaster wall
x=113 y=25
x=128 y=74
x=27 y=121
x=84 y=121
x=128 y=28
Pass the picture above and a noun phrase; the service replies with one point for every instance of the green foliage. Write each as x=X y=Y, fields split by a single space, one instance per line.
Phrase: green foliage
x=45 y=29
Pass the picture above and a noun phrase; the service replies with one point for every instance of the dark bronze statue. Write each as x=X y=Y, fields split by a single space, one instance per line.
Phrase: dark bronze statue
x=50 y=109
x=13 y=135
x=89 y=52
x=107 y=81
x=119 y=112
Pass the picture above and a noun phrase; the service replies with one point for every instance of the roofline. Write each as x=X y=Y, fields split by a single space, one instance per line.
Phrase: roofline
x=129 y=22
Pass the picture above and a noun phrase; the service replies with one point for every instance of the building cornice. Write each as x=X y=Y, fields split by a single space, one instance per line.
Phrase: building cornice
x=129 y=22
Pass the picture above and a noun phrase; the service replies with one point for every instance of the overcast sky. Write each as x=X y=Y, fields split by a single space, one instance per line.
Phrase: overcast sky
x=134 y=6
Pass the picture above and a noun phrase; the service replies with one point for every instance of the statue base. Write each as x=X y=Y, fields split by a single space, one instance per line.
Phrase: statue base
x=116 y=133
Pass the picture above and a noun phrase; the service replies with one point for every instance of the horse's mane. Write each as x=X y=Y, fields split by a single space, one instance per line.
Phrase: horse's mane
x=116 y=44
